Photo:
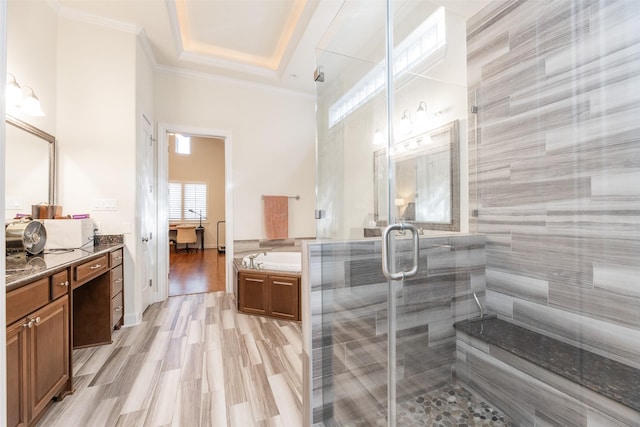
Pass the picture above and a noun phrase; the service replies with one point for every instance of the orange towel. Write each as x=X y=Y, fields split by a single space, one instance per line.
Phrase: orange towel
x=276 y=217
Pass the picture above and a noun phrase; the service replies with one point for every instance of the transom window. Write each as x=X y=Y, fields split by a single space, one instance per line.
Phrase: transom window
x=423 y=42
x=183 y=144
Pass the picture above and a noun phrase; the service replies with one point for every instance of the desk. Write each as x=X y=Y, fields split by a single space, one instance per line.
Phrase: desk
x=199 y=232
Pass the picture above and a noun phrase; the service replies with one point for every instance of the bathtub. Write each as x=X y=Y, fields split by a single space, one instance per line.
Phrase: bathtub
x=277 y=261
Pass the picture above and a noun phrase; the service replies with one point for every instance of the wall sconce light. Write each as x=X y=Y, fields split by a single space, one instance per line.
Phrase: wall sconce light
x=405 y=123
x=22 y=98
x=31 y=103
x=13 y=92
x=399 y=202
x=421 y=113
x=378 y=139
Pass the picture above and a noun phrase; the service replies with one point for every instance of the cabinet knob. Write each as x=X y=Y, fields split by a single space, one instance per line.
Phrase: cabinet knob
x=66 y=283
x=93 y=267
x=118 y=280
x=118 y=308
x=32 y=322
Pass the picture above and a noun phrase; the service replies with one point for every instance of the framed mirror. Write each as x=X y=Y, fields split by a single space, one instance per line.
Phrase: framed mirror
x=427 y=180
x=30 y=172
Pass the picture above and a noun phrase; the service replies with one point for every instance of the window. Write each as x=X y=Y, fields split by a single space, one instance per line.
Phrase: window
x=428 y=38
x=183 y=144
x=187 y=200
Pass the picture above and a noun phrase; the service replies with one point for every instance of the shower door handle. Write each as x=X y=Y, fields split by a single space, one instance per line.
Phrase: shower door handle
x=386 y=255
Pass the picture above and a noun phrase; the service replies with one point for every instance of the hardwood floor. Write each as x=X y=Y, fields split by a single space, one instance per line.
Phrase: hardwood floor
x=193 y=361
x=196 y=272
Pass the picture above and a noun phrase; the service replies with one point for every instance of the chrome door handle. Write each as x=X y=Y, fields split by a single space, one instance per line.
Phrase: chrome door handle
x=400 y=275
x=145 y=239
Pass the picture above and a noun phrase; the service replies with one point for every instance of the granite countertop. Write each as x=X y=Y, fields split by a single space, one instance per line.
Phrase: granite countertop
x=605 y=376
x=22 y=269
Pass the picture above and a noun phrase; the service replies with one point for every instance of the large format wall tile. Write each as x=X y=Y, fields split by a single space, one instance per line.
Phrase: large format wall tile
x=555 y=165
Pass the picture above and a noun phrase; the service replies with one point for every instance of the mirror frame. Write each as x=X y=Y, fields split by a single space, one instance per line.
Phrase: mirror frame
x=453 y=144
x=52 y=151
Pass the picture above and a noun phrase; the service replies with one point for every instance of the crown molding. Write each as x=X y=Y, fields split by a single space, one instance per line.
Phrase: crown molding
x=224 y=79
x=77 y=15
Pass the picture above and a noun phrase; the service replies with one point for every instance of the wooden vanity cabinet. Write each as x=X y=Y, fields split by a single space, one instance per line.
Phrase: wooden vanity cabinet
x=17 y=379
x=98 y=303
x=117 y=285
x=275 y=295
x=38 y=350
x=75 y=305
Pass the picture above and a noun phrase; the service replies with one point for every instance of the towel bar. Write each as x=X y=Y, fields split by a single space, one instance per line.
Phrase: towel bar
x=291 y=197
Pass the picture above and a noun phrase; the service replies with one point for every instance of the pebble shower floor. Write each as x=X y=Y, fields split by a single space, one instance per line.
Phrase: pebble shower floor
x=449 y=406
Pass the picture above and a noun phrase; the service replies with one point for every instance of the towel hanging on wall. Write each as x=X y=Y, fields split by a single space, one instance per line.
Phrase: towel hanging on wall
x=276 y=217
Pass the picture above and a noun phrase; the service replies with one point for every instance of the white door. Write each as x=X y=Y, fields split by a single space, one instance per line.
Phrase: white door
x=148 y=215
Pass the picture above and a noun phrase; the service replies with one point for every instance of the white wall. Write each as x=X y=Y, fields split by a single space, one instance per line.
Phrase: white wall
x=97 y=131
x=273 y=137
x=32 y=55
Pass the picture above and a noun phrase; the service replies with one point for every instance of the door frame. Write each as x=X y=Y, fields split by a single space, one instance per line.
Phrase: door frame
x=161 y=291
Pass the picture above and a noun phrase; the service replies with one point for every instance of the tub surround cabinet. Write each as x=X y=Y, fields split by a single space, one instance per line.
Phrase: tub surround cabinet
x=269 y=294
x=51 y=310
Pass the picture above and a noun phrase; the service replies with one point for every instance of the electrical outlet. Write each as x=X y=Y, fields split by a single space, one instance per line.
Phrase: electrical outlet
x=13 y=203
x=105 y=204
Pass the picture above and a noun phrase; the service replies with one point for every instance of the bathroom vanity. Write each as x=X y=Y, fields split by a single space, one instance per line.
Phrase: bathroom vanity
x=55 y=303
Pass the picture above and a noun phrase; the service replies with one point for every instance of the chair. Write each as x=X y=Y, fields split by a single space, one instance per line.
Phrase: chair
x=186 y=234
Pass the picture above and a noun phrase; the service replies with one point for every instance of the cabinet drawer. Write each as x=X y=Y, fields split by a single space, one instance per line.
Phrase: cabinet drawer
x=116 y=309
x=59 y=284
x=116 y=280
x=91 y=268
x=116 y=257
x=27 y=299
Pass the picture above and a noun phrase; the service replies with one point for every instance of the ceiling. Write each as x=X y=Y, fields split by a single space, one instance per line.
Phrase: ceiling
x=258 y=41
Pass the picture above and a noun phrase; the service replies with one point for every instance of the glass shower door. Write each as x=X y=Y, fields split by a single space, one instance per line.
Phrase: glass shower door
x=350 y=340
x=389 y=136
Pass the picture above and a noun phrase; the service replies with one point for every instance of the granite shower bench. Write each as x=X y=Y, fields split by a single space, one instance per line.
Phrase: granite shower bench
x=537 y=379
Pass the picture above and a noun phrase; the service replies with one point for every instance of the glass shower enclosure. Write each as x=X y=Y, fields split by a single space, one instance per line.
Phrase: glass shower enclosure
x=391 y=178
x=476 y=165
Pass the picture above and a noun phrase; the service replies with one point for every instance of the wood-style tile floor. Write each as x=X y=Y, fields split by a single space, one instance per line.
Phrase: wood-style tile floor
x=193 y=361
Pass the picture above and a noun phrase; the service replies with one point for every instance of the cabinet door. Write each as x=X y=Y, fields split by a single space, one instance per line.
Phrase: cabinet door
x=253 y=293
x=49 y=353
x=284 y=297
x=17 y=360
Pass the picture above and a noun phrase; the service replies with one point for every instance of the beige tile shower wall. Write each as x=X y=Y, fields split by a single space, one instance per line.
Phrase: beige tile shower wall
x=555 y=163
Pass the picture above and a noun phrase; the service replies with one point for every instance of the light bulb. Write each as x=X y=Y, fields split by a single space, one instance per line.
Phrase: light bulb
x=405 y=123
x=31 y=104
x=13 y=92
x=378 y=139
x=421 y=113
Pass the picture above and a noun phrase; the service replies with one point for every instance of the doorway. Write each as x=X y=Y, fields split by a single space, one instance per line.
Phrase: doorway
x=196 y=209
x=182 y=179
